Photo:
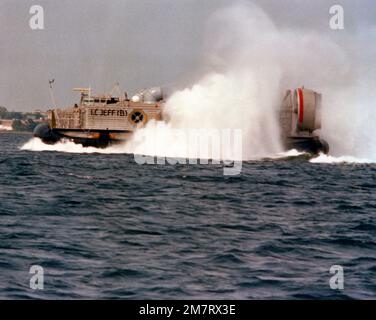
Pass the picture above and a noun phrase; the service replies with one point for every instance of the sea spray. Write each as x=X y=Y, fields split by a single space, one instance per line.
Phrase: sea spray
x=249 y=63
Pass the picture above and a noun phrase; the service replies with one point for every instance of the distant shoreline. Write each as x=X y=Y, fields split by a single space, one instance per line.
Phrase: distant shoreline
x=16 y=132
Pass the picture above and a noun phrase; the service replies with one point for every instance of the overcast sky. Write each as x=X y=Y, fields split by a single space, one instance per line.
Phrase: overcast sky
x=139 y=43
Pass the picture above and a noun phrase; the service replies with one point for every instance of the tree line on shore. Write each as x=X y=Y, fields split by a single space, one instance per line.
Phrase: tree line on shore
x=22 y=121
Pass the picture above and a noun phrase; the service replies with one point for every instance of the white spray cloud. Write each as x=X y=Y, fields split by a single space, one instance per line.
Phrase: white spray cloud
x=349 y=115
x=249 y=64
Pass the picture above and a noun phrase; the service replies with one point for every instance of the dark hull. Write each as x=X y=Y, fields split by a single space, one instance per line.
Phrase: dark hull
x=102 y=139
x=97 y=139
x=313 y=145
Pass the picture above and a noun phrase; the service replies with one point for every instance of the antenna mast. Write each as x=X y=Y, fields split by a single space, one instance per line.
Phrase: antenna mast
x=52 y=92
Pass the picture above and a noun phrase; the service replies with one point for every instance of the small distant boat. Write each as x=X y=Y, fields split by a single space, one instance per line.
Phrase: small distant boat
x=6 y=125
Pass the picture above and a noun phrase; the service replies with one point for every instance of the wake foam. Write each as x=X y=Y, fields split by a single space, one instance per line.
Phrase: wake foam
x=35 y=144
x=288 y=154
x=323 y=158
x=67 y=146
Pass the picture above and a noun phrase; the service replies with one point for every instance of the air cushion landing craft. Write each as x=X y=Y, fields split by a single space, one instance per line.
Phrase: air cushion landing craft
x=101 y=120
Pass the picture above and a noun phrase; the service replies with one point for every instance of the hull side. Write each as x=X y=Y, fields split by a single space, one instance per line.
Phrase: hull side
x=98 y=138
x=103 y=138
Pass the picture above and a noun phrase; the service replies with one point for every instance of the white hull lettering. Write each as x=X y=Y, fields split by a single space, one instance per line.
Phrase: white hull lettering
x=108 y=113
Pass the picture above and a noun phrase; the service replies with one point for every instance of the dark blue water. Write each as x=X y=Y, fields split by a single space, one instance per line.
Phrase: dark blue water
x=102 y=226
